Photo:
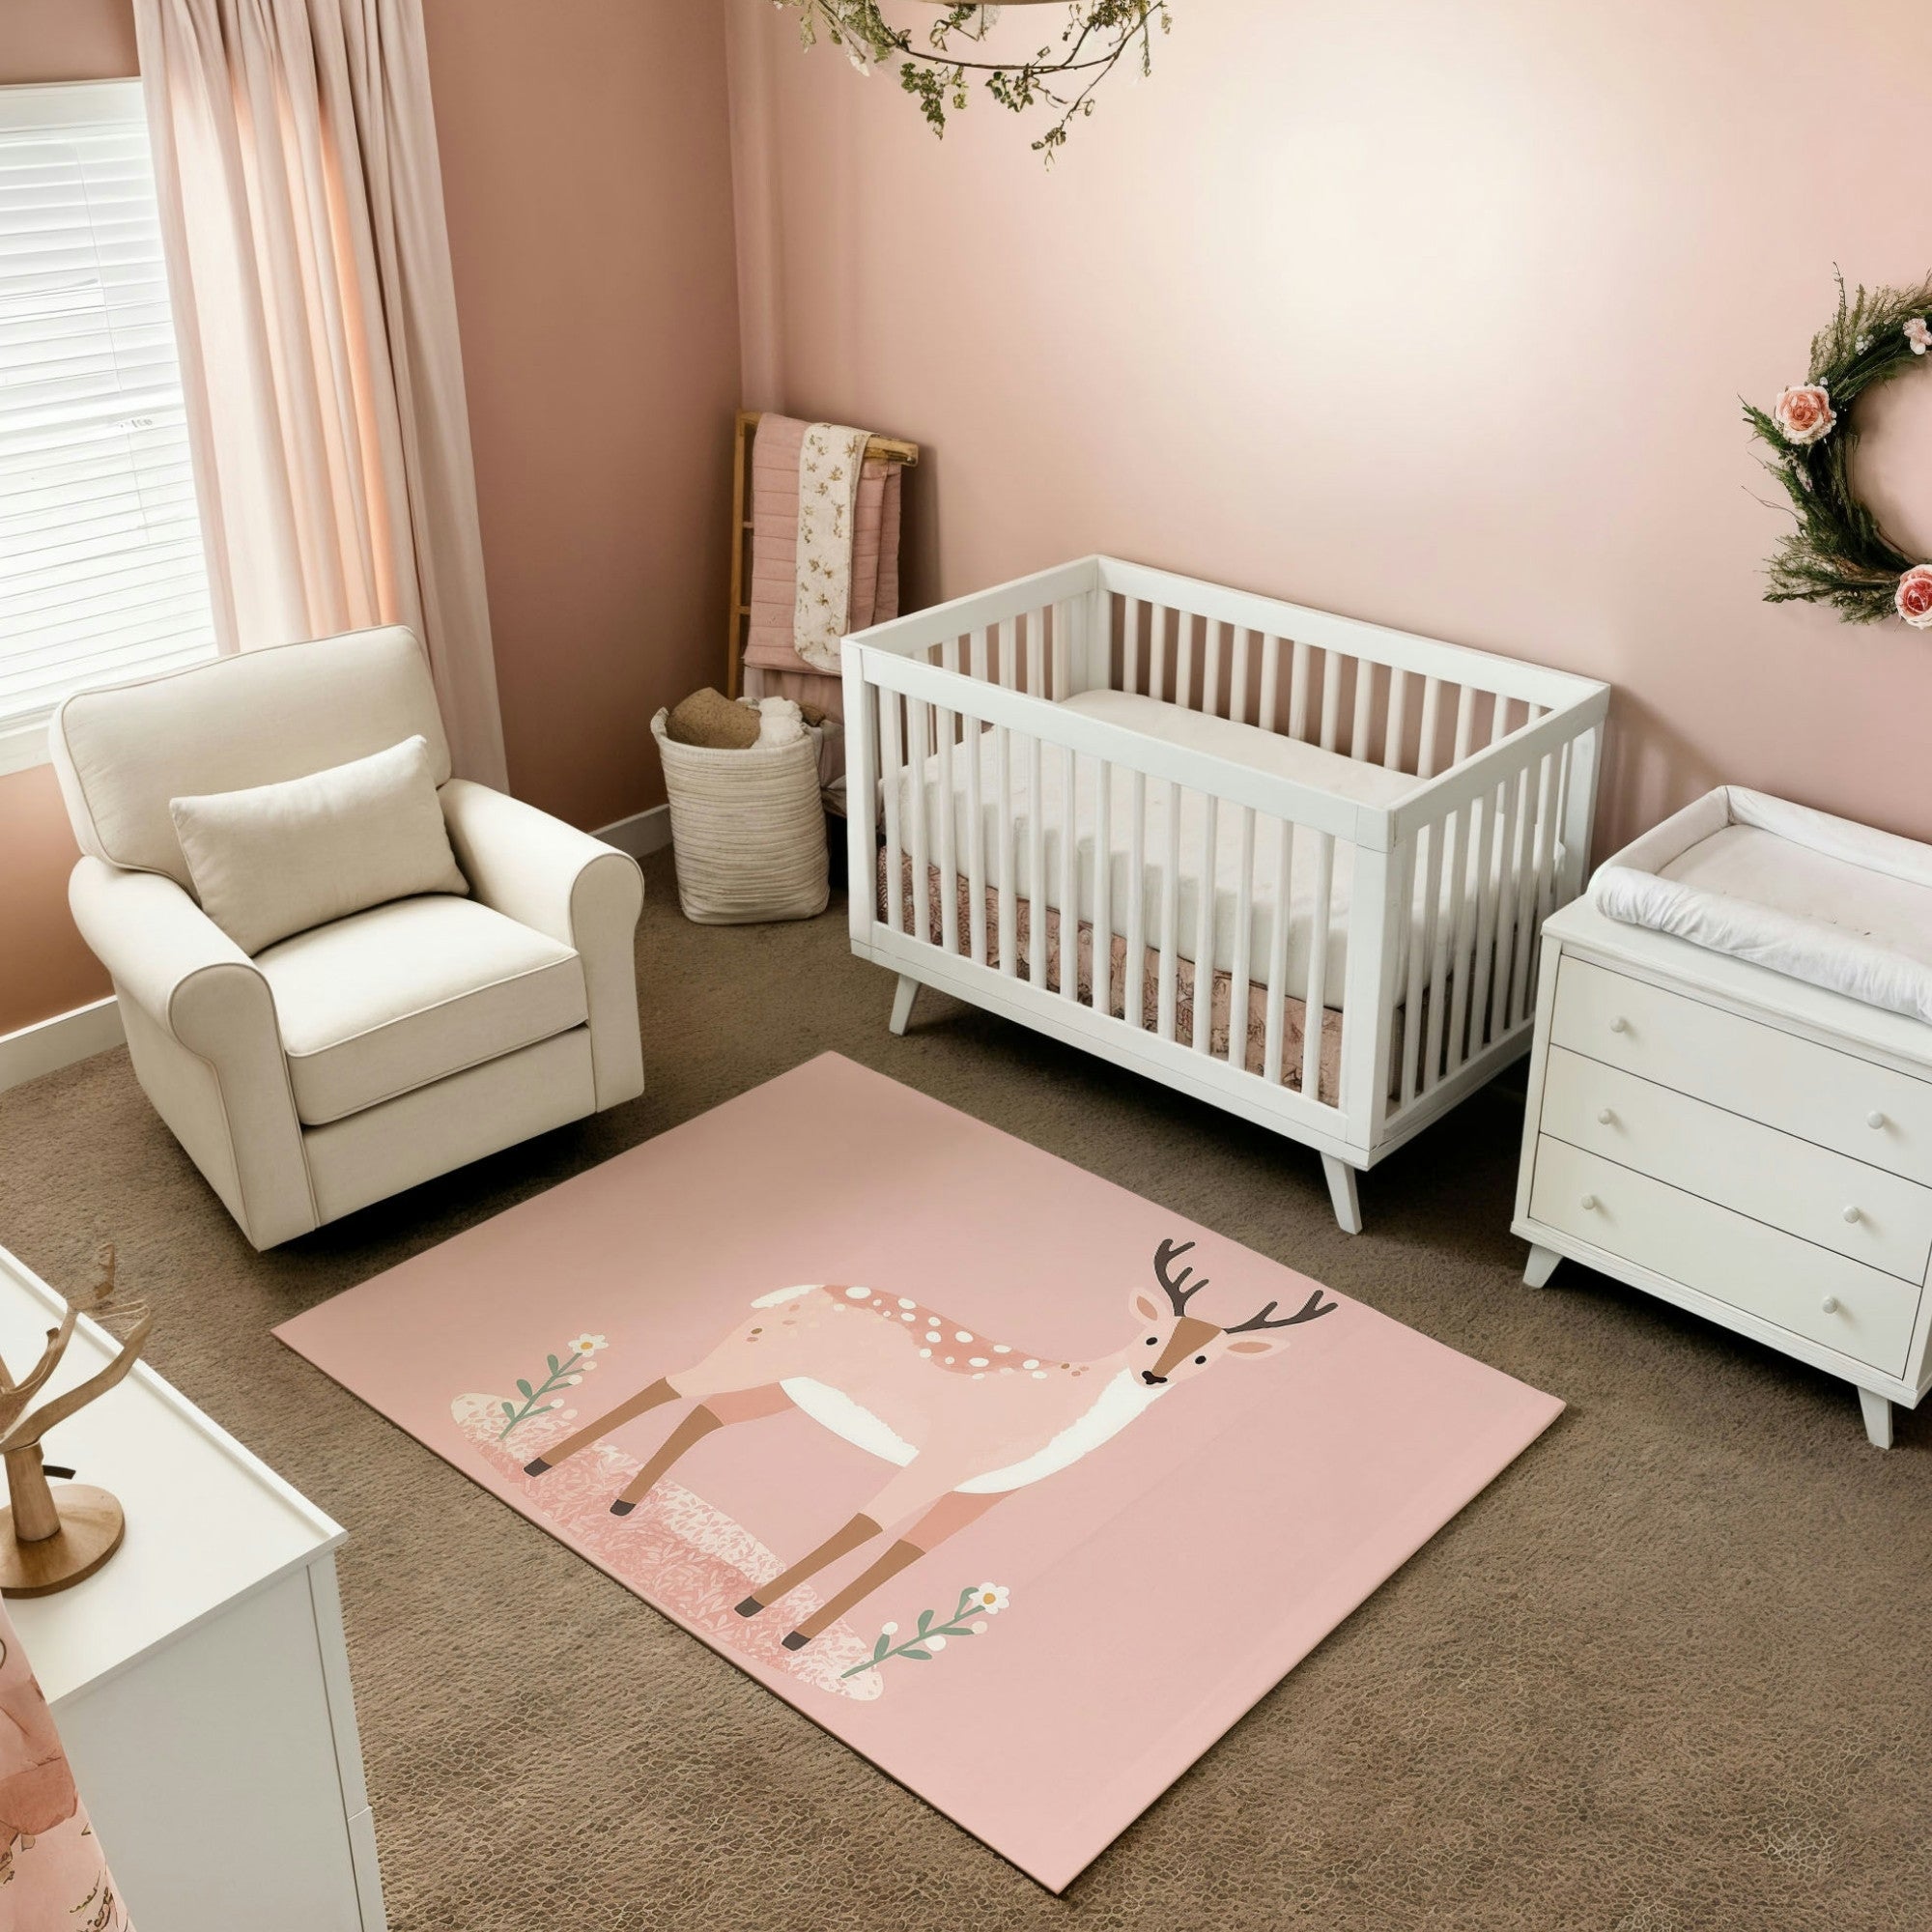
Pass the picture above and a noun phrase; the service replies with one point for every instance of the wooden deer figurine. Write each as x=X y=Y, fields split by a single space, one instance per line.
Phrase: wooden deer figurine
x=50 y=1539
x=964 y=1420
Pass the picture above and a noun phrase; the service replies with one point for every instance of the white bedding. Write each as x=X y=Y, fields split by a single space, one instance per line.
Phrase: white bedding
x=1246 y=743
x=1819 y=898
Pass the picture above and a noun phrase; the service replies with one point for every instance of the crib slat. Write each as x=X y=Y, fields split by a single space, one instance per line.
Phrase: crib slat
x=890 y=778
x=1277 y=966
x=1157 y=616
x=1035 y=863
x=1421 y=951
x=1170 y=915
x=920 y=917
x=1466 y=721
x=981 y=646
x=1331 y=698
x=1431 y=723
x=1363 y=721
x=1183 y=660
x=1462 y=965
x=1442 y=942
x=948 y=835
x=1009 y=916
x=1069 y=878
x=1103 y=888
x=1537 y=836
x=1009 y=652
x=1217 y=638
x=1237 y=687
x=1398 y=720
x=1059 y=634
x=1130 y=647
x=1133 y=989
x=976 y=841
x=1489 y=908
x=1035 y=650
x=1298 y=694
x=1268 y=717
x=1245 y=919
x=1318 y=967
x=1514 y=843
x=1204 y=929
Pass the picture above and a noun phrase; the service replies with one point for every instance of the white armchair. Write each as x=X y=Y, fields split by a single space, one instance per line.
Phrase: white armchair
x=357 y=1058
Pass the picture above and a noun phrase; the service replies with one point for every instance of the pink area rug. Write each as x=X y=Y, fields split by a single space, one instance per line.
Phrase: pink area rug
x=1023 y=1486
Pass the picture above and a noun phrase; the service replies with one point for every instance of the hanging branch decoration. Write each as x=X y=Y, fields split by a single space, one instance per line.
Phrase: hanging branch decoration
x=940 y=74
x=1838 y=555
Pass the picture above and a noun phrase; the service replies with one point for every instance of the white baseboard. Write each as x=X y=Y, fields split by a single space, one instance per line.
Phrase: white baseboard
x=641 y=834
x=60 y=1041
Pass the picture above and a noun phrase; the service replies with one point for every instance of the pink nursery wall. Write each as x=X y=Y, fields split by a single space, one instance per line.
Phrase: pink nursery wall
x=1433 y=315
x=586 y=164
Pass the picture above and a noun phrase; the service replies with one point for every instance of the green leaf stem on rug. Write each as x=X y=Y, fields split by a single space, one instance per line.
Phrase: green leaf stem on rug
x=976 y=1603
x=1838 y=555
x=564 y=1371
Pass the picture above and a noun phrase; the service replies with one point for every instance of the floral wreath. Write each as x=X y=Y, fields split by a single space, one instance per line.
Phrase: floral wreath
x=1838 y=555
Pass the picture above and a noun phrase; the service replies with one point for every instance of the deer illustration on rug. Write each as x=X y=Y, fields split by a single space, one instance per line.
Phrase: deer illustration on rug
x=964 y=1420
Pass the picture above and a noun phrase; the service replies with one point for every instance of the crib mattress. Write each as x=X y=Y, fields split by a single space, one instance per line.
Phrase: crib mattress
x=1345 y=778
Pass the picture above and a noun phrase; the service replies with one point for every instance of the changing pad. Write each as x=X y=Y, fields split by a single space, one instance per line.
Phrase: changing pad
x=1816 y=898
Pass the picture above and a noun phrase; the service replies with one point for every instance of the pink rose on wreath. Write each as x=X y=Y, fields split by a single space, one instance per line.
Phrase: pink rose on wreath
x=1918 y=332
x=1803 y=414
x=1915 y=597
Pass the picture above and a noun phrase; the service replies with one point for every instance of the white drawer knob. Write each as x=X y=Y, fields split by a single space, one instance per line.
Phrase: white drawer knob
x=1605 y=1117
x=1620 y=1024
x=1829 y=1304
x=1874 y=1119
x=1851 y=1213
x=1589 y=1202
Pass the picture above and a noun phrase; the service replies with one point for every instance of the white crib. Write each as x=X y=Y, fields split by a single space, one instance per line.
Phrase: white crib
x=1417 y=808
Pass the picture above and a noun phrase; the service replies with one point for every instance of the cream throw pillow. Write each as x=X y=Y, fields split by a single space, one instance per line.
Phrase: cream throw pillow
x=281 y=857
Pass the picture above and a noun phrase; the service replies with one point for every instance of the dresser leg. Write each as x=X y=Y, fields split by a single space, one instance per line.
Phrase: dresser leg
x=1342 y=1193
x=903 y=995
x=1541 y=1266
x=1878 y=1418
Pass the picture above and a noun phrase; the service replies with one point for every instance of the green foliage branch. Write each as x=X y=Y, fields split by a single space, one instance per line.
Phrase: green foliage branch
x=939 y=74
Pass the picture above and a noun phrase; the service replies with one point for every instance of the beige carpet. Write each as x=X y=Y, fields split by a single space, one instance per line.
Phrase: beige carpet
x=1670 y=1673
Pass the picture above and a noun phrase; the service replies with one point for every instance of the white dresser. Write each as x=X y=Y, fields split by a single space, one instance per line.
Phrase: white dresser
x=1753 y=1148
x=199 y=1680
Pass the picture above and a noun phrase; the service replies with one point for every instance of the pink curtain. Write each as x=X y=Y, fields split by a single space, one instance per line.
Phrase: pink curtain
x=295 y=158
x=51 y=1869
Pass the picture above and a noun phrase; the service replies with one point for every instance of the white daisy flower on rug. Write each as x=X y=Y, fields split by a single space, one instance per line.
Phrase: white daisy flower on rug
x=589 y=1344
x=990 y=1598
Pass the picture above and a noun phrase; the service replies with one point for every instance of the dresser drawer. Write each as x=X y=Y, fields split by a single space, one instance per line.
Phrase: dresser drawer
x=1838 y=1303
x=1811 y=1091
x=1825 y=1197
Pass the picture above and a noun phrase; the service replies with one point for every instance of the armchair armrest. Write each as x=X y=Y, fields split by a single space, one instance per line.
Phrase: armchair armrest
x=201 y=1028
x=586 y=894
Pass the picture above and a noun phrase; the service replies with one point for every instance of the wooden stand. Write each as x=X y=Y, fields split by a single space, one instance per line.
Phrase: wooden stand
x=50 y=1539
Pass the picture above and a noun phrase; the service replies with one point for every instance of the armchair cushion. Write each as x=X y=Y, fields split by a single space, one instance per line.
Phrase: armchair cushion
x=277 y=859
x=388 y=1000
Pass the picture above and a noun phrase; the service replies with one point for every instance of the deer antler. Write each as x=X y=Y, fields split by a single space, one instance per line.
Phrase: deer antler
x=1177 y=1291
x=1310 y=1311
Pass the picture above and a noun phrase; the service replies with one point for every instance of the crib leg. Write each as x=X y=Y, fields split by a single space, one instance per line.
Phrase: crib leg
x=1341 y=1192
x=902 y=999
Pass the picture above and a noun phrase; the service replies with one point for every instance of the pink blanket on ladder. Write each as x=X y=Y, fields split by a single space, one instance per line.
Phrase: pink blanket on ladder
x=773 y=668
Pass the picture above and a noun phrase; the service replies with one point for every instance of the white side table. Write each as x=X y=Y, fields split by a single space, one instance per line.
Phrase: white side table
x=199 y=1680
x=1747 y=1145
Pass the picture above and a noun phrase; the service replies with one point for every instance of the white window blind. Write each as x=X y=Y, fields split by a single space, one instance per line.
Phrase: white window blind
x=101 y=569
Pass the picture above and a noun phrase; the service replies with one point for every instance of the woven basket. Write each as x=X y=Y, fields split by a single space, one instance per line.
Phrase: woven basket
x=746 y=830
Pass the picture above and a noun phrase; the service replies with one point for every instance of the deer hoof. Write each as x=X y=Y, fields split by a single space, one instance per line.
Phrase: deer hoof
x=621 y=1508
x=750 y=1607
x=536 y=1466
x=796 y=1640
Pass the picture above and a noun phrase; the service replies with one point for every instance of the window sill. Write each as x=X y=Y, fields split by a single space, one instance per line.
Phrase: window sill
x=23 y=741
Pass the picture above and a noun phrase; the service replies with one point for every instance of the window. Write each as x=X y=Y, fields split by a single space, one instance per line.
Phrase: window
x=101 y=570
